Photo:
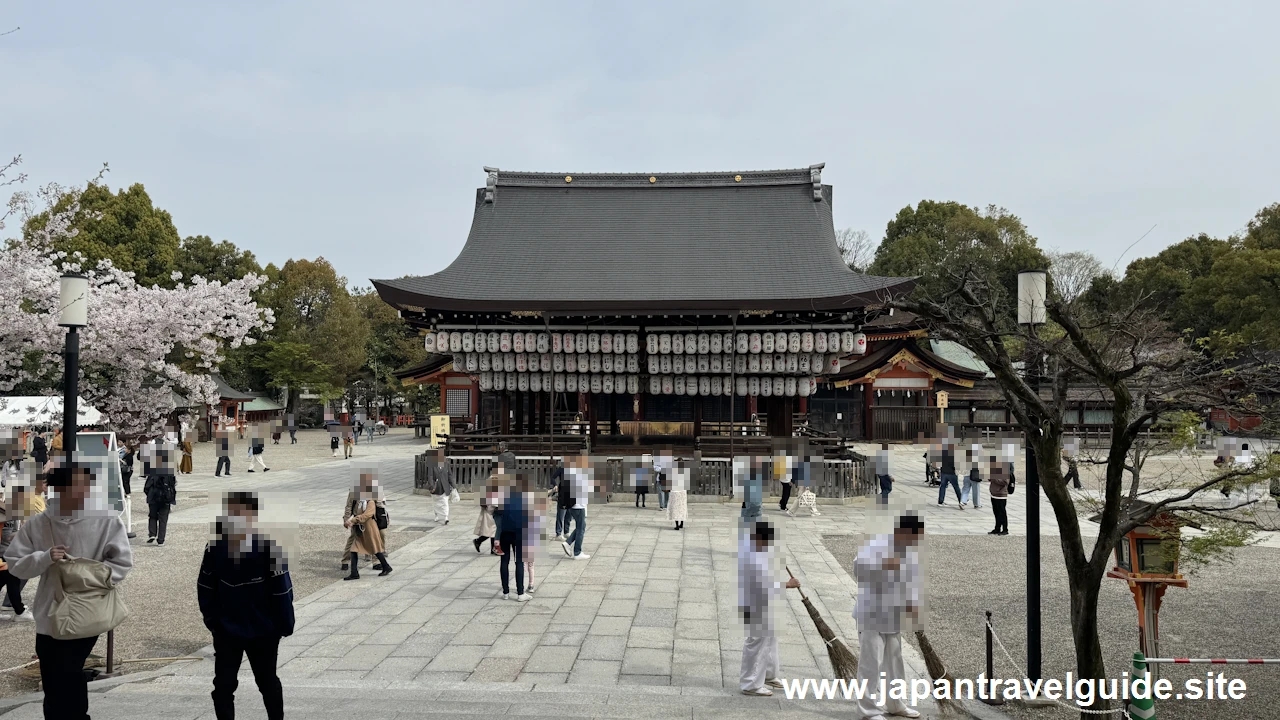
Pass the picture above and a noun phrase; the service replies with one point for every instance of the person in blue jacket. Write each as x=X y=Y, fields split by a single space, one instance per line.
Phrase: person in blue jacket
x=246 y=598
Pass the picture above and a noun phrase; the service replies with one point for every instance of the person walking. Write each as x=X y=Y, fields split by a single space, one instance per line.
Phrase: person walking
x=257 y=445
x=662 y=465
x=71 y=524
x=888 y=573
x=1073 y=468
x=334 y=441
x=559 y=490
x=884 y=473
x=293 y=430
x=360 y=518
x=25 y=503
x=246 y=600
x=222 y=448
x=40 y=451
x=753 y=489
x=757 y=587
x=348 y=443
x=973 y=481
x=485 y=528
x=678 y=503
x=642 y=488
x=11 y=514
x=1000 y=488
x=533 y=534
x=784 y=467
x=948 y=473
x=440 y=480
x=514 y=521
x=185 y=466
x=368 y=430
x=127 y=454
x=357 y=431
x=579 y=477
x=161 y=490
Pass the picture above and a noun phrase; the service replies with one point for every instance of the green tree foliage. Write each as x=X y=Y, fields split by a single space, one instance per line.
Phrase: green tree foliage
x=223 y=261
x=392 y=345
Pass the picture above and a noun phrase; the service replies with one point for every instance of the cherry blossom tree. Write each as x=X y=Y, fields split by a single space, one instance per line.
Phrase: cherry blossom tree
x=142 y=344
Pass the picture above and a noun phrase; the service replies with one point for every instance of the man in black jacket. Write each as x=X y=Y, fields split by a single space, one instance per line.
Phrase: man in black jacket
x=161 y=490
x=246 y=598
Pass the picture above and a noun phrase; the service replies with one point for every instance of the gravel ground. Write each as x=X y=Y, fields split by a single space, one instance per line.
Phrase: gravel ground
x=161 y=594
x=1228 y=611
x=312 y=449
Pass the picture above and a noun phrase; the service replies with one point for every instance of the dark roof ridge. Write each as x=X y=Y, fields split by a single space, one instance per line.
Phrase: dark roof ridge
x=811 y=175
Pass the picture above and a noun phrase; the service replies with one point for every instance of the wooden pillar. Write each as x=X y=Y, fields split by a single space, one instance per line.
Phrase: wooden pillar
x=637 y=412
x=697 y=416
x=594 y=430
x=786 y=424
x=520 y=426
x=613 y=414
x=505 y=422
x=537 y=413
x=804 y=405
x=868 y=427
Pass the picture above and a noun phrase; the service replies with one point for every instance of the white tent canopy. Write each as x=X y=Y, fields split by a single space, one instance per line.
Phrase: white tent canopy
x=42 y=410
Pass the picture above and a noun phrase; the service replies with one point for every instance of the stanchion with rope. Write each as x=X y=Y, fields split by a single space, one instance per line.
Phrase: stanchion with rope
x=1021 y=673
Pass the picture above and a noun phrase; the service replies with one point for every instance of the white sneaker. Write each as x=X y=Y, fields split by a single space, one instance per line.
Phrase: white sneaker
x=506 y=596
x=906 y=713
x=524 y=598
x=790 y=513
x=582 y=556
x=568 y=549
x=758 y=692
x=558 y=538
x=25 y=617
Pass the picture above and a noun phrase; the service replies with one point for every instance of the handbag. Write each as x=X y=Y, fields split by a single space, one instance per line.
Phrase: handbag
x=454 y=496
x=85 y=603
x=380 y=516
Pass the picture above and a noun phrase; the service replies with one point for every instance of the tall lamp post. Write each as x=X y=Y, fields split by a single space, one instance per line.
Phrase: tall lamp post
x=73 y=314
x=1032 y=285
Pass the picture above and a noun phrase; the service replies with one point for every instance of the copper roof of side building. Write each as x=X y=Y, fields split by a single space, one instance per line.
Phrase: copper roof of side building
x=702 y=242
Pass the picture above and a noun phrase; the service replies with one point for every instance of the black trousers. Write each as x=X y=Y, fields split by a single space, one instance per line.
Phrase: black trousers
x=223 y=462
x=66 y=692
x=786 y=495
x=1073 y=476
x=1002 y=517
x=510 y=541
x=158 y=521
x=13 y=586
x=227 y=653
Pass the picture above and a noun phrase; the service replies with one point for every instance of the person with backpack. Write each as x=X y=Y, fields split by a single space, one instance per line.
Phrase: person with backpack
x=948 y=474
x=884 y=476
x=222 y=447
x=440 y=480
x=361 y=519
x=161 y=490
x=257 y=444
x=246 y=600
x=973 y=481
x=511 y=539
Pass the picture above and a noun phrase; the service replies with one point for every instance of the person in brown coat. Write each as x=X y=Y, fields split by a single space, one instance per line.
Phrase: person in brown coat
x=360 y=518
x=999 y=492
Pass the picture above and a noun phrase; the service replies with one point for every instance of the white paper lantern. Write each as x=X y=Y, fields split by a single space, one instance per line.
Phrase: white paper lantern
x=803 y=387
x=780 y=361
x=766 y=363
x=753 y=385
x=793 y=343
x=690 y=344
x=820 y=342
x=509 y=362
x=513 y=381
x=766 y=387
x=704 y=386
x=594 y=363
x=584 y=362
x=486 y=381
x=740 y=364
x=716 y=364
x=429 y=342
x=606 y=363
x=655 y=366
x=816 y=363
x=806 y=342
x=606 y=343
x=571 y=383
x=633 y=343
x=704 y=344
x=593 y=343
x=813 y=386
x=677 y=364
x=677 y=343
x=584 y=382
x=789 y=387
x=715 y=344
x=619 y=343
x=726 y=342
x=557 y=363
x=442 y=342
x=717 y=386
x=571 y=363
x=664 y=364
x=793 y=363
x=556 y=343
x=651 y=345
x=495 y=361
x=779 y=387
x=544 y=361
x=804 y=364
x=742 y=344
x=541 y=343
x=704 y=364
x=566 y=342
x=472 y=362
x=754 y=342
x=846 y=341
x=833 y=341
x=504 y=342
x=633 y=363
x=859 y=344
x=620 y=384
x=833 y=364
x=468 y=342
x=455 y=342
x=664 y=343
x=753 y=363
x=485 y=365
x=522 y=382
x=517 y=342
x=546 y=381
x=766 y=342
x=531 y=341
x=581 y=343
x=668 y=384
x=606 y=384
x=499 y=381
x=726 y=363
x=535 y=382
x=678 y=385
x=780 y=341
x=533 y=362
x=655 y=385
x=557 y=382
x=741 y=386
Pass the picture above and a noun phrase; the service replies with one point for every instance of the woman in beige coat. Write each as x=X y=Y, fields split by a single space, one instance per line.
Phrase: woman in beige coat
x=486 y=528
x=360 y=519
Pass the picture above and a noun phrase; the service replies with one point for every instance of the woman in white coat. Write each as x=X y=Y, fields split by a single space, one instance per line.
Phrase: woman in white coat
x=678 y=501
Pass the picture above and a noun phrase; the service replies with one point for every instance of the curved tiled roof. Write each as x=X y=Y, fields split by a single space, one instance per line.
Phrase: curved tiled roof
x=699 y=242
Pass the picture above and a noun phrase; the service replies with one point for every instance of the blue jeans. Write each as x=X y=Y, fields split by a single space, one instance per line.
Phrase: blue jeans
x=975 y=488
x=579 y=518
x=886 y=487
x=560 y=523
x=942 y=487
x=663 y=497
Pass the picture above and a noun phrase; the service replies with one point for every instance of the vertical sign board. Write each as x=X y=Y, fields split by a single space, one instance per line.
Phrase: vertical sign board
x=99 y=450
x=439 y=429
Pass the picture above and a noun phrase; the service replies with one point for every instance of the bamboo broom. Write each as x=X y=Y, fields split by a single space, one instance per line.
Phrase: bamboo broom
x=843 y=662
x=938 y=671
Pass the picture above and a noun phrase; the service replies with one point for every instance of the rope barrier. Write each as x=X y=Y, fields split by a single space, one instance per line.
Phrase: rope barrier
x=1216 y=661
x=1072 y=708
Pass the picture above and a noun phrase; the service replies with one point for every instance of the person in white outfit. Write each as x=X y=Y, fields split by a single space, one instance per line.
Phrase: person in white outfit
x=678 y=502
x=888 y=573
x=757 y=586
x=440 y=481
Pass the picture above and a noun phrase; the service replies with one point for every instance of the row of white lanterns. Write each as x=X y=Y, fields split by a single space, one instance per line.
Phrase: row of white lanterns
x=767 y=364
x=845 y=342
x=658 y=384
x=546 y=362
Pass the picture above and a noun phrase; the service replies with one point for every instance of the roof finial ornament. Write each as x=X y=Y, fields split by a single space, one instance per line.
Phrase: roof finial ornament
x=490 y=184
x=815 y=176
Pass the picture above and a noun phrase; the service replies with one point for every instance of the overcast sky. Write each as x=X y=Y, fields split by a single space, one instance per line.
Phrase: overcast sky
x=357 y=131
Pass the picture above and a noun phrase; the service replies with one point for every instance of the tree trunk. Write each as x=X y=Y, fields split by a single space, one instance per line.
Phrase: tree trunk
x=1085 y=584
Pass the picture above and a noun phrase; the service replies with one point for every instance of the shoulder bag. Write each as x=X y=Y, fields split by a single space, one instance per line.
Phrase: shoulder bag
x=380 y=516
x=85 y=603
